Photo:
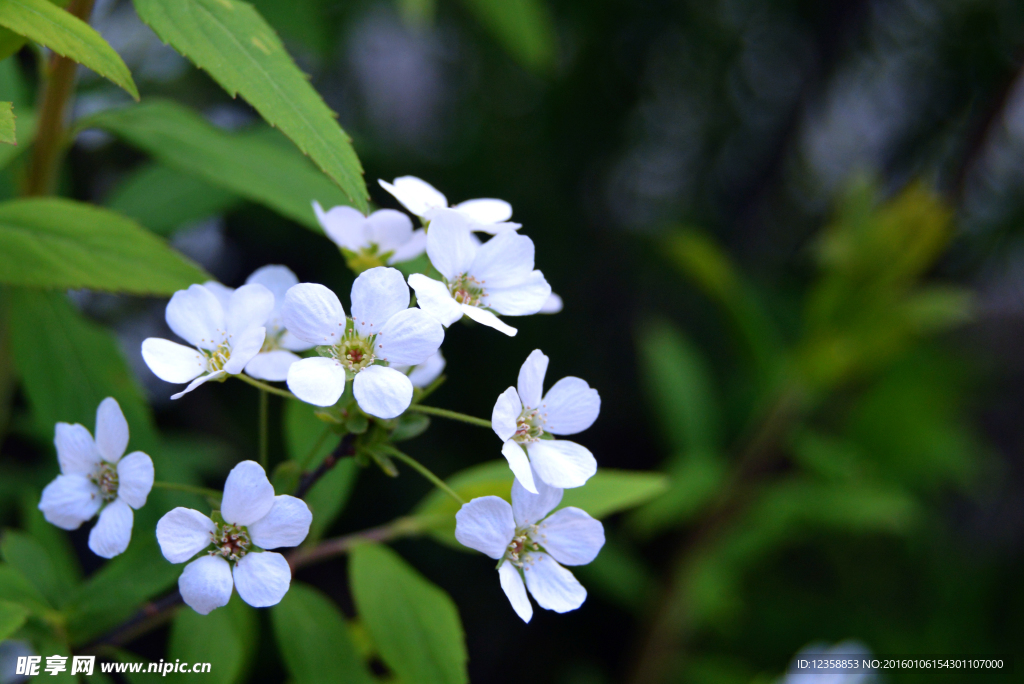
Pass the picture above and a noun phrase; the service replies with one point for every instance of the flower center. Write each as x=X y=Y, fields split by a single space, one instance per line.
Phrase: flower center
x=272 y=342
x=353 y=352
x=467 y=290
x=529 y=426
x=521 y=544
x=106 y=479
x=218 y=357
x=231 y=541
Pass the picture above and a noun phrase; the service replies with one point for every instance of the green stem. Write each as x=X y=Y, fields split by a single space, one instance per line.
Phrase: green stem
x=265 y=387
x=422 y=470
x=191 y=489
x=264 y=409
x=451 y=415
x=316 y=448
x=400 y=527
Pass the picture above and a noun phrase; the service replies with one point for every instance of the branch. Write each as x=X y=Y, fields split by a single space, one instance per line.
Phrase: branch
x=345 y=448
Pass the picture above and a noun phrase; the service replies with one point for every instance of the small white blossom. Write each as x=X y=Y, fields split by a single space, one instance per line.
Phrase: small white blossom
x=525 y=421
x=421 y=375
x=277 y=353
x=384 y=237
x=253 y=521
x=532 y=545
x=479 y=280
x=225 y=338
x=553 y=304
x=424 y=200
x=95 y=478
x=382 y=331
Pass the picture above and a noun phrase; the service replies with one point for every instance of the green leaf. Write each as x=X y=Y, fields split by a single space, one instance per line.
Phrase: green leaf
x=12 y=617
x=27 y=131
x=16 y=589
x=524 y=27
x=414 y=624
x=68 y=365
x=67 y=35
x=314 y=639
x=57 y=243
x=53 y=539
x=231 y=41
x=10 y=42
x=164 y=199
x=328 y=496
x=27 y=555
x=249 y=165
x=225 y=638
x=7 y=123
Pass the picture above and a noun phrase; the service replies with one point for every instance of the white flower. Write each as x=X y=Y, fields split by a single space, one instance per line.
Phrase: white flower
x=530 y=544
x=382 y=331
x=424 y=200
x=552 y=306
x=226 y=338
x=94 y=477
x=253 y=520
x=277 y=353
x=525 y=422
x=384 y=237
x=421 y=375
x=478 y=279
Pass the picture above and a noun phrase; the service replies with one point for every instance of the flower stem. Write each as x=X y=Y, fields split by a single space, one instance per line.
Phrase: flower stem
x=399 y=527
x=422 y=470
x=316 y=447
x=452 y=415
x=191 y=489
x=264 y=408
x=266 y=388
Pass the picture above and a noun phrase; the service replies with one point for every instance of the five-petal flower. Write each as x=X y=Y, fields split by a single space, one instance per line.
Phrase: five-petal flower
x=525 y=421
x=532 y=545
x=94 y=476
x=422 y=374
x=252 y=521
x=424 y=200
x=382 y=331
x=383 y=238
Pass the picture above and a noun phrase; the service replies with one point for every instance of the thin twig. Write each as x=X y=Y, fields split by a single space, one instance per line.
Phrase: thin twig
x=345 y=448
x=265 y=387
x=264 y=421
x=329 y=548
x=452 y=415
x=422 y=470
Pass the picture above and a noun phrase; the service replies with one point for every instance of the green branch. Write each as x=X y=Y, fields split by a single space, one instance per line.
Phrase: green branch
x=451 y=415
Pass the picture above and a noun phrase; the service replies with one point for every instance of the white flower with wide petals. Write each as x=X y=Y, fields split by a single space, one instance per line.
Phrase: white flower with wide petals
x=95 y=478
x=279 y=346
x=533 y=546
x=424 y=200
x=224 y=338
x=421 y=375
x=383 y=238
x=382 y=331
x=525 y=421
x=479 y=280
x=254 y=521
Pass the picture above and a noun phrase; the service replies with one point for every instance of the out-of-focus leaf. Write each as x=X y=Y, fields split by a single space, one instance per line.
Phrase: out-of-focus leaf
x=250 y=166
x=231 y=41
x=163 y=199
x=53 y=646
x=53 y=540
x=12 y=617
x=67 y=35
x=303 y=431
x=414 y=624
x=57 y=243
x=68 y=365
x=620 y=575
x=611 y=491
x=10 y=42
x=693 y=482
x=327 y=497
x=7 y=134
x=314 y=640
x=16 y=589
x=29 y=557
x=224 y=638
x=27 y=133
x=524 y=27
x=302 y=21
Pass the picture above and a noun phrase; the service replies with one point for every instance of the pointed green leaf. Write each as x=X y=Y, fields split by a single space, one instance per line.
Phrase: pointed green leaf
x=7 y=124
x=57 y=243
x=27 y=555
x=67 y=35
x=12 y=617
x=230 y=40
x=524 y=27
x=224 y=638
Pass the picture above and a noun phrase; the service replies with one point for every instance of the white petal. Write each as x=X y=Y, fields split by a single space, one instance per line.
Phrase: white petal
x=418 y=196
x=244 y=348
x=409 y=337
x=272 y=365
x=377 y=295
x=524 y=298
x=519 y=463
x=345 y=226
x=111 y=430
x=318 y=381
x=433 y=297
x=389 y=229
x=512 y=584
x=487 y=318
x=531 y=378
x=69 y=501
x=248 y=308
x=182 y=533
x=314 y=314
x=278 y=279
x=286 y=524
x=529 y=508
x=220 y=291
x=197 y=317
x=425 y=373
x=449 y=246
x=570 y=406
x=112 y=532
x=135 y=478
x=172 y=362
x=571 y=536
x=411 y=248
x=291 y=342
x=76 y=452
x=382 y=392
x=497 y=228
x=506 y=410
x=561 y=463
x=502 y=261
x=486 y=524
x=205 y=584
x=486 y=210
x=216 y=375
x=552 y=305
x=262 y=579
x=552 y=586
x=248 y=494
